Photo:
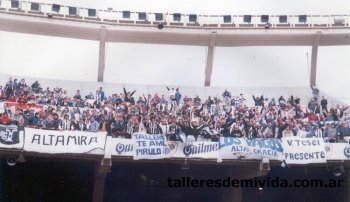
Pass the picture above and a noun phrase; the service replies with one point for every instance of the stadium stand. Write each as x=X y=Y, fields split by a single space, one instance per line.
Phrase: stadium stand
x=171 y=112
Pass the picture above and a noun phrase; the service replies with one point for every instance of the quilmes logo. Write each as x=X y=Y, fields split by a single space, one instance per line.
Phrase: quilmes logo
x=123 y=148
x=200 y=149
x=9 y=134
x=347 y=151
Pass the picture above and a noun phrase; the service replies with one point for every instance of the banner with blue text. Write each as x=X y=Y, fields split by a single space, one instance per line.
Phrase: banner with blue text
x=233 y=148
x=150 y=146
x=265 y=148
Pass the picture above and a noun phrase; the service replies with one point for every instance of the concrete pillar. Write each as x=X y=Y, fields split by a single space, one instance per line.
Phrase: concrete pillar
x=102 y=54
x=313 y=72
x=210 y=59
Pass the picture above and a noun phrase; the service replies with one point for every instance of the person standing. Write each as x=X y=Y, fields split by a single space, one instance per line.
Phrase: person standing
x=9 y=88
x=178 y=96
x=324 y=104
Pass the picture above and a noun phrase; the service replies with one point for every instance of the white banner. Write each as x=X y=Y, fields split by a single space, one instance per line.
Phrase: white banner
x=120 y=147
x=150 y=146
x=11 y=137
x=75 y=142
x=303 y=150
x=206 y=150
x=265 y=148
x=337 y=151
x=233 y=148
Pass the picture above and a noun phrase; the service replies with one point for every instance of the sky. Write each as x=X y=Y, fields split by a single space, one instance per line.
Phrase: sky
x=49 y=57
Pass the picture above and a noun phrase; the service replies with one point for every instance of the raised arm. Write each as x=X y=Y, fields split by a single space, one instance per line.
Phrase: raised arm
x=125 y=93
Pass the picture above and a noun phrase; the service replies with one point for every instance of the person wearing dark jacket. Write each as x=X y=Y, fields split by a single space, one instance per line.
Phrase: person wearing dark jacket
x=282 y=102
x=197 y=112
x=128 y=95
x=258 y=100
x=324 y=104
x=185 y=127
x=174 y=132
x=33 y=119
x=226 y=126
x=53 y=123
x=195 y=129
x=36 y=87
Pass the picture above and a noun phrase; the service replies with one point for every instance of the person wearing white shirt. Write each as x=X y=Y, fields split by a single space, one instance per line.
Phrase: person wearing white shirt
x=302 y=132
x=287 y=132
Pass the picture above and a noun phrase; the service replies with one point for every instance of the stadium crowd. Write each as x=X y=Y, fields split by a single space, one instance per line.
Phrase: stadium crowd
x=173 y=115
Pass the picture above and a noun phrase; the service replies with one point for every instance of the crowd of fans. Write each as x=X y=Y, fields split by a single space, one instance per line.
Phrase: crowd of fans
x=174 y=115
